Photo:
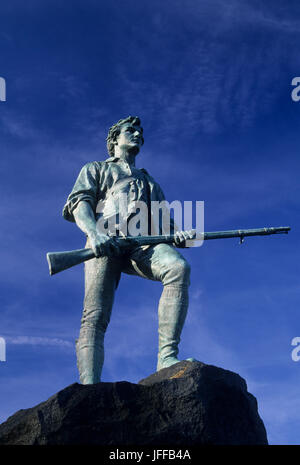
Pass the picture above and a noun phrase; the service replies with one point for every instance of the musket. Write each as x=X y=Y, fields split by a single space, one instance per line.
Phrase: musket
x=59 y=261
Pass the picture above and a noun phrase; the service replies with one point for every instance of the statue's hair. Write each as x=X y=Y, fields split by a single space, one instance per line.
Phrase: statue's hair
x=115 y=130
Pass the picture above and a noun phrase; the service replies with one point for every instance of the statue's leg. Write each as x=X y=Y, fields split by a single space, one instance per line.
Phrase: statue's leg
x=173 y=305
x=101 y=279
x=164 y=263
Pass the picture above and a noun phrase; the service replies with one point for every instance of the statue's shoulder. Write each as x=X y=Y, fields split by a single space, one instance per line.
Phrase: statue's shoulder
x=144 y=171
x=93 y=166
x=149 y=177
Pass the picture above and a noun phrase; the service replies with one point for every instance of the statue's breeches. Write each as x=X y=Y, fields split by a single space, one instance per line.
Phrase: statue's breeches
x=159 y=263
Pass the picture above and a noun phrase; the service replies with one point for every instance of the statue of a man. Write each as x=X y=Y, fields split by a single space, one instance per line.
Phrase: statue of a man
x=100 y=181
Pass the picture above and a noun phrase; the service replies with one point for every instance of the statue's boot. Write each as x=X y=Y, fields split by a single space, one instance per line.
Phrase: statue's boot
x=90 y=358
x=172 y=312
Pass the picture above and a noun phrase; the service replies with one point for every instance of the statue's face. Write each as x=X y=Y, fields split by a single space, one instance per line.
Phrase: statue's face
x=130 y=137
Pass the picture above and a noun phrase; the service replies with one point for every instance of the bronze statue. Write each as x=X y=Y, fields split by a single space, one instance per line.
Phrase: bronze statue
x=100 y=181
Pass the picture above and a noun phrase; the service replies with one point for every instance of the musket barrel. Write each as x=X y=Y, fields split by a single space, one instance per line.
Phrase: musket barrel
x=246 y=232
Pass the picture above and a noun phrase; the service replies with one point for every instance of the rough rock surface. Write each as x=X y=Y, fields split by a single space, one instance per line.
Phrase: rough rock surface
x=186 y=404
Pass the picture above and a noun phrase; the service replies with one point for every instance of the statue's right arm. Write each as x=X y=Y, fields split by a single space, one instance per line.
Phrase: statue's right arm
x=86 y=221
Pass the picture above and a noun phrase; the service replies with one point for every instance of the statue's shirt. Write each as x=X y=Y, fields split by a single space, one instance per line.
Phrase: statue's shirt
x=103 y=181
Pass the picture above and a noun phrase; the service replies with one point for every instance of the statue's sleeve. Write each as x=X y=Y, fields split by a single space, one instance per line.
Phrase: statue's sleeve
x=85 y=188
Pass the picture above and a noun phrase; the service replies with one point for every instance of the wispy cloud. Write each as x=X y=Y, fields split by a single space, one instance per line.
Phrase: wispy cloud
x=39 y=341
x=18 y=126
x=224 y=88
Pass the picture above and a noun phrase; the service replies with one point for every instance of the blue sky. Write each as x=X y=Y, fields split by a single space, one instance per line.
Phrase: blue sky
x=211 y=82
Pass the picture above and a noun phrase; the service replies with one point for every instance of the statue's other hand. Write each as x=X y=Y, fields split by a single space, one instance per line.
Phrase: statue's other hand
x=104 y=245
x=182 y=236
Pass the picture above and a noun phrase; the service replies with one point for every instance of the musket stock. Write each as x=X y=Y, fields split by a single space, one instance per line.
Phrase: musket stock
x=59 y=261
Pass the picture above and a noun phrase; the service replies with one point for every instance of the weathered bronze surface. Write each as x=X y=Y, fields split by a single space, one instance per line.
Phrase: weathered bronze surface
x=101 y=181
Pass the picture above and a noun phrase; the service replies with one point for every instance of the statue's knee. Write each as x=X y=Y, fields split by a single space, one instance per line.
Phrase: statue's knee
x=179 y=271
x=184 y=269
x=95 y=323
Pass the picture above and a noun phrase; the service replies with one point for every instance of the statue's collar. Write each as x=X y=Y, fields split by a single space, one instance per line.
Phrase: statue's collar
x=110 y=159
x=114 y=159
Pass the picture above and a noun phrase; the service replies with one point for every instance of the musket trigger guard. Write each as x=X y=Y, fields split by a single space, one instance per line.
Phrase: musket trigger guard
x=242 y=239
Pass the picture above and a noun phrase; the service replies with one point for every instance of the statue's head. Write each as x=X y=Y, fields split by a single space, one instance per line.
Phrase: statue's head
x=129 y=123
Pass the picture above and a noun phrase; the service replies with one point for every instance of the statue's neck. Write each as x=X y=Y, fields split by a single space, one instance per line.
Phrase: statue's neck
x=125 y=155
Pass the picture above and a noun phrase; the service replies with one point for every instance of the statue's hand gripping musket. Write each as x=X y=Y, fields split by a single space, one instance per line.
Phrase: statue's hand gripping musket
x=59 y=261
